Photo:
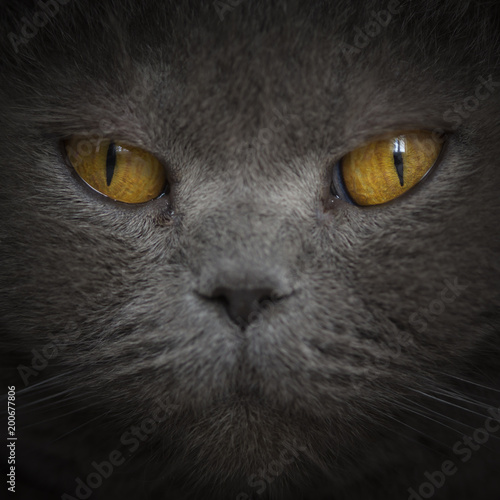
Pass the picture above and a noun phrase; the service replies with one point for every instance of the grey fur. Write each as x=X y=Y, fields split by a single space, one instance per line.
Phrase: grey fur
x=332 y=374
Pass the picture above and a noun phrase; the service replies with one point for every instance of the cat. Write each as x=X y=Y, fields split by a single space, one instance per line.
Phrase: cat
x=257 y=328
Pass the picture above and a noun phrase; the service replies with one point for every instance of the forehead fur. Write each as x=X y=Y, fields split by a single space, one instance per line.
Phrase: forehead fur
x=195 y=64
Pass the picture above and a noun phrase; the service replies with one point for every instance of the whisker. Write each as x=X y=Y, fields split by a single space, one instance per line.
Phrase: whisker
x=59 y=416
x=443 y=415
x=419 y=432
x=463 y=397
x=405 y=436
x=80 y=426
x=38 y=401
x=64 y=402
x=48 y=382
x=422 y=414
x=474 y=383
x=446 y=402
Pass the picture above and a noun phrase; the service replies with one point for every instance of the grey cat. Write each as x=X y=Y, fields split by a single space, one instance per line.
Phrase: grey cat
x=250 y=332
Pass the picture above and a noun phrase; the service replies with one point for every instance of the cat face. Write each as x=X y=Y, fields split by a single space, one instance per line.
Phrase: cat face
x=261 y=306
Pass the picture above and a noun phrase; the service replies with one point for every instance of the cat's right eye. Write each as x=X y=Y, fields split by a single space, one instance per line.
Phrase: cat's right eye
x=385 y=169
x=116 y=170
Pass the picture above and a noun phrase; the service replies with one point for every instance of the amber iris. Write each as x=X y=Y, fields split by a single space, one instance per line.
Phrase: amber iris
x=119 y=171
x=385 y=169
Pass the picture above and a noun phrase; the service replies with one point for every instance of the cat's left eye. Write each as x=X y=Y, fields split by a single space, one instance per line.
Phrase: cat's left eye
x=383 y=170
x=116 y=170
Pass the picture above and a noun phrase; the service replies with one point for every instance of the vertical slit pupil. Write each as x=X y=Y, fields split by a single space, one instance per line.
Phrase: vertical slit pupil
x=110 y=162
x=399 y=149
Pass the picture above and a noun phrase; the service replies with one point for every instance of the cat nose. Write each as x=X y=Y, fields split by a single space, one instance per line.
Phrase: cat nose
x=243 y=305
x=243 y=288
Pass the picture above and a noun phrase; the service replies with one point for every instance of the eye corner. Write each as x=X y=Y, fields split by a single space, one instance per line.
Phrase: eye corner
x=338 y=191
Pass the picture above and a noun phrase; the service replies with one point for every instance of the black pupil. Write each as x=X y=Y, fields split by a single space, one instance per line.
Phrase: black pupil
x=398 y=161
x=110 y=162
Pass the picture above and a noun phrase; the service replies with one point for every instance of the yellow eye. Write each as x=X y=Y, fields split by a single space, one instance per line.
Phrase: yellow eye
x=385 y=169
x=121 y=172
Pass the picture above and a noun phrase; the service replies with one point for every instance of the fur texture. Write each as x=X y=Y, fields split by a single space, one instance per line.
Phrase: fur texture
x=348 y=387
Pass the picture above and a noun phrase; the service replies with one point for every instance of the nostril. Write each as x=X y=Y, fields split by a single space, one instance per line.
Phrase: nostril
x=220 y=297
x=241 y=303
